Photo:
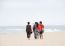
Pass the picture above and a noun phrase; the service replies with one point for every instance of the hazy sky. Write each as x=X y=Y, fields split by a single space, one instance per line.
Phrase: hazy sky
x=18 y=12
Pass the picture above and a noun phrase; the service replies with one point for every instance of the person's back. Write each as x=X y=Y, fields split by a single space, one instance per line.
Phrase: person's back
x=28 y=30
x=35 y=30
x=41 y=29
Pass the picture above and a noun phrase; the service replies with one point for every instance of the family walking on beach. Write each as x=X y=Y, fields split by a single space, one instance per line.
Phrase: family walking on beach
x=38 y=30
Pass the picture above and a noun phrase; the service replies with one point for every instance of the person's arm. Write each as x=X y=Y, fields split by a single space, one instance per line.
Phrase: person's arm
x=33 y=28
x=43 y=27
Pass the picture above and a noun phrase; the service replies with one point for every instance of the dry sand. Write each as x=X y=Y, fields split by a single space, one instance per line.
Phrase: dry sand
x=19 y=39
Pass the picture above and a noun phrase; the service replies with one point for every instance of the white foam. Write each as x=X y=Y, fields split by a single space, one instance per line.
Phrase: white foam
x=52 y=30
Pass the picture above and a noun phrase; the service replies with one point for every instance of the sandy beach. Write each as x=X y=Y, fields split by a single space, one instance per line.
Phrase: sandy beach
x=19 y=39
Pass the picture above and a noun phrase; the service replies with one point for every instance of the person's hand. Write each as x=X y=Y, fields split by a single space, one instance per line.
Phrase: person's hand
x=31 y=32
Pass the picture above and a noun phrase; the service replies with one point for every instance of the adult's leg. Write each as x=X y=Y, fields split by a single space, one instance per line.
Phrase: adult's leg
x=35 y=35
x=41 y=35
x=38 y=35
x=28 y=35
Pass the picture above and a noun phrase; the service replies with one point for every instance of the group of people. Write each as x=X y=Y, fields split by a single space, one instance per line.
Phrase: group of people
x=38 y=30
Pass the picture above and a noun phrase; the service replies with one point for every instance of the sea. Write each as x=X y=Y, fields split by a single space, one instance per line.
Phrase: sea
x=51 y=28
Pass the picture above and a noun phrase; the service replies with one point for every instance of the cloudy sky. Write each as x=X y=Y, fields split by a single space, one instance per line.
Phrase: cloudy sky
x=18 y=12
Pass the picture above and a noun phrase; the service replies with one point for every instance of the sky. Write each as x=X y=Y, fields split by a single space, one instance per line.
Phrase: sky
x=19 y=12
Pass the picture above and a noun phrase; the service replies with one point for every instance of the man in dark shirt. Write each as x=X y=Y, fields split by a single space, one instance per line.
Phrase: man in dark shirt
x=28 y=30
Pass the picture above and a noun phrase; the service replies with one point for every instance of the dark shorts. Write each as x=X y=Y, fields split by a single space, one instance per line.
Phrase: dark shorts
x=41 y=32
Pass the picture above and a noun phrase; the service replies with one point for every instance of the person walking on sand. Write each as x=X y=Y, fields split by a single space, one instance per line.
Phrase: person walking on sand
x=41 y=29
x=28 y=30
x=35 y=30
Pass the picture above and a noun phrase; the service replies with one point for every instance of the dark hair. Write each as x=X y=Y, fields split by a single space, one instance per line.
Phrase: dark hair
x=41 y=22
x=28 y=22
x=36 y=24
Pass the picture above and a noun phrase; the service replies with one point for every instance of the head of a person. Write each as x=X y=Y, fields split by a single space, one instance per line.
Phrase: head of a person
x=40 y=22
x=28 y=23
x=36 y=23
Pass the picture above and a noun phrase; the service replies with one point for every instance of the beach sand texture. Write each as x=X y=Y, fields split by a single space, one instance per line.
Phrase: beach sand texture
x=19 y=39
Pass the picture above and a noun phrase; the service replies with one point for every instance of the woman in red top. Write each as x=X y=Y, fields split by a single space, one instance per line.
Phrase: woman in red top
x=41 y=29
